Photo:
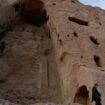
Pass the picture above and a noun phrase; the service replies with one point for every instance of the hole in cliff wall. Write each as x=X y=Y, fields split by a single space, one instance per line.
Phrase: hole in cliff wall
x=97 y=61
x=78 y=21
x=102 y=70
x=82 y=96
x=81 y=57
x=94 y=40
x=60 y=42
x=46 y=52
x=58 y=35
x=53 y=3
x=75 y=34
x=34 y=12
x=68 y=35
x=63 y=56
x=100 y=23
x=73 y=1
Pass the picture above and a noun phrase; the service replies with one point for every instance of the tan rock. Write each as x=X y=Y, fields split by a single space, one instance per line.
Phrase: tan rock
x=58 y=62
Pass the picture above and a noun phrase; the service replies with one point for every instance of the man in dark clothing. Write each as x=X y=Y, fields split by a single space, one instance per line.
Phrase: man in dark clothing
x=96 y=96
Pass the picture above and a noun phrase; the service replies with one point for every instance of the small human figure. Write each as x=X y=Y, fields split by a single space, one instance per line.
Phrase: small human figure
x=96 y=96
x=2 y=47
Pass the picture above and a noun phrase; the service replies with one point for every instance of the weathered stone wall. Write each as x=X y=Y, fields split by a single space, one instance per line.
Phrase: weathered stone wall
x=77 y=33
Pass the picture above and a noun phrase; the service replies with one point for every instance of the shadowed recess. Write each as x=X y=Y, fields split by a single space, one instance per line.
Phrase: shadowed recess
x=97 y=61
x=75 y=34
x=94 y=40
x=34 y=12
x=78 y=21
x=82 y=96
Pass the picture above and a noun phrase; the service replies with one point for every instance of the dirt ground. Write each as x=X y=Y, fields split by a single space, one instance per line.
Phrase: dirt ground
x=27 y=70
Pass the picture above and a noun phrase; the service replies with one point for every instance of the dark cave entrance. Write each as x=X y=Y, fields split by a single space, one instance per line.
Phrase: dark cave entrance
x=34 y=12
x=82 y=96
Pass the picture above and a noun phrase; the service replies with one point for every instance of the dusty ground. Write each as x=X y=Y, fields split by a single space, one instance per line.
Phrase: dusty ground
x=27 y=70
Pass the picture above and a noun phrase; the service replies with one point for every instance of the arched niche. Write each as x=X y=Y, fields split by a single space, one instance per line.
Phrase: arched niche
x=34 y=12
x=82 y=96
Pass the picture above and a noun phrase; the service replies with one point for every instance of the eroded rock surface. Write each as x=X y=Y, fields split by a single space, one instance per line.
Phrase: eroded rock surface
x=34 y=70
x=77 y=32
x=28 y=72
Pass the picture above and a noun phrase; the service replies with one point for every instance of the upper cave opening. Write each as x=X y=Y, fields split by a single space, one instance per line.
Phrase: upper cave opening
x=78 y=21
x=34 y=12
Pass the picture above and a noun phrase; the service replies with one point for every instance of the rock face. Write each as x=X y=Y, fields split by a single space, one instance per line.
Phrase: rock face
x=77 y=33
x=32 y=71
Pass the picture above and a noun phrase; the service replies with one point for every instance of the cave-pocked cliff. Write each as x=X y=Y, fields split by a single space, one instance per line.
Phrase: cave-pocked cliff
x=28 y=71
x=54 y=52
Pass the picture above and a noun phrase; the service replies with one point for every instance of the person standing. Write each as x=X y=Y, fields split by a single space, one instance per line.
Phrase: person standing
x=96 y=96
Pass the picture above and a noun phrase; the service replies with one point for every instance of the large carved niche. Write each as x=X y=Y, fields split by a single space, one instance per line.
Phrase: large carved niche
x=34 y=12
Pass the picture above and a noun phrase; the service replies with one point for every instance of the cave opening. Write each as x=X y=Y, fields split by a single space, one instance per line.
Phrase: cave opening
x=94 y=40
x=97 y=61
x=34 y=12
x=82 y=96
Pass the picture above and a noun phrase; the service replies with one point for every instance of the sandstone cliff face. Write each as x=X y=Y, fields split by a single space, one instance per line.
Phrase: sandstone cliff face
x=76 y=32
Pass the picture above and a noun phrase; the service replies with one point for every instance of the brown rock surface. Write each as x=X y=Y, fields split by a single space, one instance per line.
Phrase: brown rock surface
x=77 y=32
x=28 y=71
x=67 y=54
